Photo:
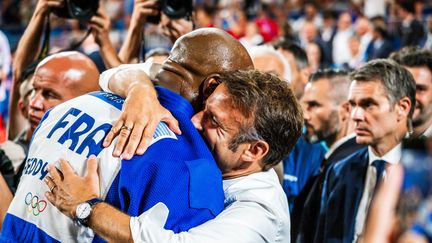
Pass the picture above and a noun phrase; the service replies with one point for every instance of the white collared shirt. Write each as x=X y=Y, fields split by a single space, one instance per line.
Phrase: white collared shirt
x=428 y=132
x=338 y=144
x=392 y=157
x=256 y=210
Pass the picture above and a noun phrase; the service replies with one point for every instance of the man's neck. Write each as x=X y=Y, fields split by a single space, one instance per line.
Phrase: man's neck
x=384 y=146
x=236 y=173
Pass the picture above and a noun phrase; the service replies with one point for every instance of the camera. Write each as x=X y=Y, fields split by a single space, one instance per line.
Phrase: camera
x=174 y=9
x=78 y=9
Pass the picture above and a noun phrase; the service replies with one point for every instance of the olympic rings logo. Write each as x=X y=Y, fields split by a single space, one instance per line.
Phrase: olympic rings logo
x=34 y=205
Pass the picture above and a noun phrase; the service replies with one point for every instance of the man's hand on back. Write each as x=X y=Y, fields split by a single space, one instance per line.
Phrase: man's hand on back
x=67 y=189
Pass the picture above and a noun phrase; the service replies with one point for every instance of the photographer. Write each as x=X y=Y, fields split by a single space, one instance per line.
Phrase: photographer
x=144 y=12
x=29 y=47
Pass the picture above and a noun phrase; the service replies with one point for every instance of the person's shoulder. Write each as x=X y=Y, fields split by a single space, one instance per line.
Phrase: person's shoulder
x=348 y=162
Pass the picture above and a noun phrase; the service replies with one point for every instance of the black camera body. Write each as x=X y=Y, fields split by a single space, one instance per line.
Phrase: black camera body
x=77 y=9
x=174 y=9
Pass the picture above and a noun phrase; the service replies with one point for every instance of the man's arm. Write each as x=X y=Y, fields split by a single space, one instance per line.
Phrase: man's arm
x=130 y=50
x=243 y=221
x=132 y=82
x=5 y=199
x=100 y=24
x=27 y=52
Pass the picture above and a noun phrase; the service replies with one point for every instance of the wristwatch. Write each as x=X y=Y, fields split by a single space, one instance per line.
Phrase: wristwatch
x=83 y=211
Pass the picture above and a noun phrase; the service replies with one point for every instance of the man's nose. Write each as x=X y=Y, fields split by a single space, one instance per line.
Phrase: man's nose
x=36 y=102
x=306 y=115
x=357 y=113
x=197 y=120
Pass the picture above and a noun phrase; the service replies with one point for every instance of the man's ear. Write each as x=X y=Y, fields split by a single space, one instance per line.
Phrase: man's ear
x=255 y=151
x=344 y=111
x=404 y=106
x=210 y=84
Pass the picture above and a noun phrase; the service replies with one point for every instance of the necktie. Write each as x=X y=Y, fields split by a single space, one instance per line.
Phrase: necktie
x=380 y=167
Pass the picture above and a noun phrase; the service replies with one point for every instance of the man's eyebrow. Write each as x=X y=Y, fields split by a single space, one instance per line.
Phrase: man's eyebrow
x=368 y=101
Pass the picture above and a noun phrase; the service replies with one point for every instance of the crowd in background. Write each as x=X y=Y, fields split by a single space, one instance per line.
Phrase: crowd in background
x=305 y=37
x=341 y=34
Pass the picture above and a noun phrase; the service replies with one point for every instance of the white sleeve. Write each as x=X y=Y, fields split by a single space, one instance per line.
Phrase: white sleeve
x=242 y=222
x=106 y=75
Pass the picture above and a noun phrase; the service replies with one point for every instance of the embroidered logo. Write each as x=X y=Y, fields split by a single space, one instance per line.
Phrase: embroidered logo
x=34 y=205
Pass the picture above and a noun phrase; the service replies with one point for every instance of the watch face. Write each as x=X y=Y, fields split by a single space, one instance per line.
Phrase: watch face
x=83 y=210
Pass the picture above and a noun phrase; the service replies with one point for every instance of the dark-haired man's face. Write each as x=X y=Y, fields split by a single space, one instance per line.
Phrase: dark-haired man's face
x=423 y=108
x=377 y=121
x=320 y=111
x=219 y=123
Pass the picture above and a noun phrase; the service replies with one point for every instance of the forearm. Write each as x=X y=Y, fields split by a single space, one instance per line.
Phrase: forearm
x=122 y=79
x=5 y=199
x=109 y=54
x=130 y=49
x=29 y=45
x=110 y=223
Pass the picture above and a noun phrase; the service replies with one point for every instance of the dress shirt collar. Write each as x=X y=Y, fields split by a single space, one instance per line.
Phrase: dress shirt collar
x=338 y=144
x=393 y=156
x=428 y=132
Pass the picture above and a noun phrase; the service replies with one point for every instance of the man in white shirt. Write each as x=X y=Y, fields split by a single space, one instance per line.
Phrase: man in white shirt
x=382 y=100
x=250 y=122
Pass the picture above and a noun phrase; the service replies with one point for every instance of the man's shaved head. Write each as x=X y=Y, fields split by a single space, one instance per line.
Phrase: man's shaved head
x=199 y=56
x=74 y=70
x=58 y=78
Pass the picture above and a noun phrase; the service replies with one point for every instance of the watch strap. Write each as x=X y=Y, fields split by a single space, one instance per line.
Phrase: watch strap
x=92 y=202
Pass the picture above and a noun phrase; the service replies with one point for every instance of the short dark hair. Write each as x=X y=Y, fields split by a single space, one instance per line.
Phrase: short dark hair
x=339 y=81
x=275 y=113
x=413 y=56
x=396 y=80
x=407 y=5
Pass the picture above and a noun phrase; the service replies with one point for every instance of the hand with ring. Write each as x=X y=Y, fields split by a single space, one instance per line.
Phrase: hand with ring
x=67 y=189
x=140 y=116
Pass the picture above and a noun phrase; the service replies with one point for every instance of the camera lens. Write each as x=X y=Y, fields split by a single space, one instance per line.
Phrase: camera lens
x=176 y=9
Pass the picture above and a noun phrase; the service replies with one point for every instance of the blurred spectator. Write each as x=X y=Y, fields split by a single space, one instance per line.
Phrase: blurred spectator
x=315 y=57
x=363 y=30
x=340 y=49
x=309 y=34
x=310 y=14
x=419 y=64
x=374 y=8
x=157 y=55
x=232 y=19
x=428 y=42
x=297 y=59
x=358 y=58
x=268 y=27
x=205 y=14
x=380 y=47
x=266 y=59
x=252 y=36
x=154 y=36
x=328 y=31
x=5 y=57
x=14 y=152
x=411 y=31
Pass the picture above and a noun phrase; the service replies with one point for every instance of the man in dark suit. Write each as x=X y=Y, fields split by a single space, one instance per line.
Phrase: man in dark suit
x=327 y=119
x=382 y=101
x=380 y=46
